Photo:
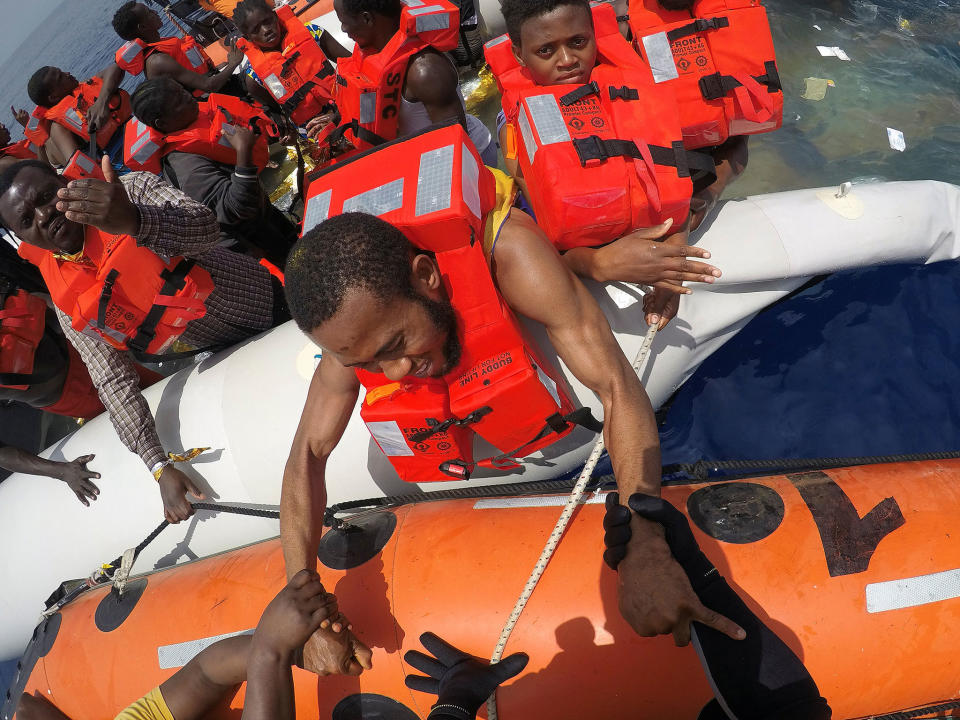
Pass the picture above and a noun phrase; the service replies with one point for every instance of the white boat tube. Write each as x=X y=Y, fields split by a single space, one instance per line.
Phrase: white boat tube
x=245 y=402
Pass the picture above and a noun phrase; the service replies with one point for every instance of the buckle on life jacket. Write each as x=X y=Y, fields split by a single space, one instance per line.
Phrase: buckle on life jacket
x=698 y=26
x=716 y=86
x=623 y=93
x=436 y=426
x=457 y=469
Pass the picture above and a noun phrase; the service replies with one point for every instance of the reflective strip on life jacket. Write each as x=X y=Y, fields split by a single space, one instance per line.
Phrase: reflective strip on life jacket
x=194 y=57
x=128 y=53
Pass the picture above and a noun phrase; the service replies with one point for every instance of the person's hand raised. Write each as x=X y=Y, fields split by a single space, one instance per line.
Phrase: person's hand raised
x=101 y=203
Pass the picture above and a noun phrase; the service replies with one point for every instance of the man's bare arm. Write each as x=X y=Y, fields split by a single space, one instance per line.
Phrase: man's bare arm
x=330 y=402
x=655 y=594
x=65 y=141
x=162 y=65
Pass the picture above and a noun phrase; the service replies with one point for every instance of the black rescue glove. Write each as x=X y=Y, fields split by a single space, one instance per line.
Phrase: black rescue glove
x=462 y=681
x=758 y=678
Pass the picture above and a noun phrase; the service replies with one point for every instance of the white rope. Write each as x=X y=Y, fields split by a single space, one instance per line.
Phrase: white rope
x=554 y=540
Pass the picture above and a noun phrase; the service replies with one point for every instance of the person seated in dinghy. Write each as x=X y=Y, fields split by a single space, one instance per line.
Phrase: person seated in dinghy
x=181 y=59
x=264 y=661
x=381 y=311
x=69 y=112
x=576 y=54
x=22 y=150
x=134 y=265
x=214 y=151
x=416 y=81
x=290 y=63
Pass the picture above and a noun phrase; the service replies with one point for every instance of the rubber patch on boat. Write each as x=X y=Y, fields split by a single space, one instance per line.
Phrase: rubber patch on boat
x=848 y=205
x=114 y=609
x=358 y=541
x=370 y=706
x=736 y=512
x=41 y=643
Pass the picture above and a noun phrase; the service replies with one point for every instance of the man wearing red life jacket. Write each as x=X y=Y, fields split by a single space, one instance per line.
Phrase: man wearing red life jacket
x=408 y=323
x=213 y=151
x=135 y=265
x=69 y=112
x=554 y=47
x=399 y=80
x=290 y=63
x=12 y=152
x=182 y=59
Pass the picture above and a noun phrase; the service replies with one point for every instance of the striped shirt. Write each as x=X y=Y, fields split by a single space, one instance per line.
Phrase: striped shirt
x=241 y=305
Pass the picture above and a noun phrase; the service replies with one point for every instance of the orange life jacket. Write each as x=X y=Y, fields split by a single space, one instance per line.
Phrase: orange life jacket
x=79 y=398
x=434 y=188
x=81 y=165
x=132 y=56
x=299 y=76
x=23 y=150
x=71 y=113
x=22 y=324
x=144 y=147
x=719 y=57
x=369 y=85
x=600 y=159
x=124 y=294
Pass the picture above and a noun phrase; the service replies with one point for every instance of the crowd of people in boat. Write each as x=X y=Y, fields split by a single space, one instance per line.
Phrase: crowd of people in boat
x=153 y=239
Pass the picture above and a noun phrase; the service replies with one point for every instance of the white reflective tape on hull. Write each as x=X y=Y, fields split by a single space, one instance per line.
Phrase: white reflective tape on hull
x=535 y=501
x=909 y=592
x=175 y=656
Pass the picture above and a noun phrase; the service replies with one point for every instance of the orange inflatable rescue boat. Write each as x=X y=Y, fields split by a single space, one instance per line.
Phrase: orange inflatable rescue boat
x=856 y=569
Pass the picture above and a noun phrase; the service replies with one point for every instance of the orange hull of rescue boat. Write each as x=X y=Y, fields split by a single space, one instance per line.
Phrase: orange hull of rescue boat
x=814 y=554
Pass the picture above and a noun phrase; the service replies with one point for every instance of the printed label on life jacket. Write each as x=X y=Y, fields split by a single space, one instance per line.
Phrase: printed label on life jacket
x=660 y=57
x=390 y=438
x=584 y=117
x=485 y=368
x=691 y=55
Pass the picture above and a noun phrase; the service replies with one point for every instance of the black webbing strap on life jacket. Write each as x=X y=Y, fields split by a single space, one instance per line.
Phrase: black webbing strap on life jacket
x=716 y=86
x=173 y=281
x=436 y=426
x=698 y=26
x=105 y=296
x=293 y=102
x=361 y=133
x=687 y=163
x=623 y=92
x=556 y=423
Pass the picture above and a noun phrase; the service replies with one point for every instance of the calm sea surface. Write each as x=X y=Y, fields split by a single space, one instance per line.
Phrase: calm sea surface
x=861 y=363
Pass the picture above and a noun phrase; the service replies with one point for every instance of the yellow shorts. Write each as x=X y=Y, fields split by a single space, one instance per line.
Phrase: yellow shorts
x=151 y=706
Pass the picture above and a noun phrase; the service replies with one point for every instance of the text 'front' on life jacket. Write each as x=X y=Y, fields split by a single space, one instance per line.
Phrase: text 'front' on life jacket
x=602 y=159
x=298 y=76
x=434 y=188
x=369 y=85
x=22 y=323
x=144 y=147
x=124 y=294
x=720 y=59
x=71 y=113
x=132 y=55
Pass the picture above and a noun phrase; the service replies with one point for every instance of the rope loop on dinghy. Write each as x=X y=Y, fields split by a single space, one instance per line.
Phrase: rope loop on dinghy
x=558 y=530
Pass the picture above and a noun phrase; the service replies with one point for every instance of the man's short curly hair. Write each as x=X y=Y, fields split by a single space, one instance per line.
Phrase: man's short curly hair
x=153 y=99
x=38 y=87
x=353 y=250
x=387 y=8
x=126 y=20
x=517 y=12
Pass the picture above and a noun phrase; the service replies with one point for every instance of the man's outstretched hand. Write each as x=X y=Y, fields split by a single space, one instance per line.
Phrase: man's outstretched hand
x=656 y=595
x=101 y=203
x=457 y=678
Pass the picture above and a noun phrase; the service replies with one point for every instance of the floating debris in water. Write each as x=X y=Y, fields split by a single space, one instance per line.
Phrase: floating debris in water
x=816 y=88
x=897 y=141
x=832 y=52
x=818 y=28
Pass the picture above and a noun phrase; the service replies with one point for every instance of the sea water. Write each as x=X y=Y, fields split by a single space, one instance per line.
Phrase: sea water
x=860 y=363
